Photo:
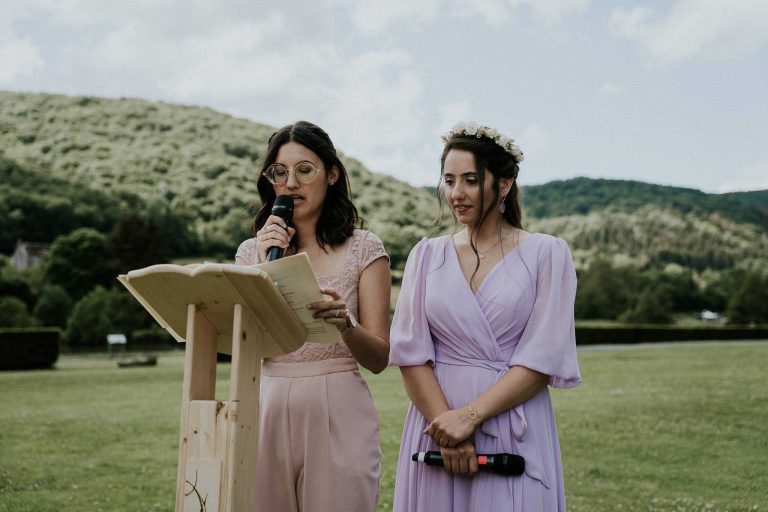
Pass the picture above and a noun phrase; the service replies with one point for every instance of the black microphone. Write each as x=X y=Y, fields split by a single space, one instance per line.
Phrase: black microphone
x=507 y=464
x=283 y=208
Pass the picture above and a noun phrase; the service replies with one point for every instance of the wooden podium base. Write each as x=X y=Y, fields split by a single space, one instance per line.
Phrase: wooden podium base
x=236 y=309
x=218 y=438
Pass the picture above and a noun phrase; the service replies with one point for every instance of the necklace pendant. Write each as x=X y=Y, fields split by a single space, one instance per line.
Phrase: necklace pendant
x=482 y=256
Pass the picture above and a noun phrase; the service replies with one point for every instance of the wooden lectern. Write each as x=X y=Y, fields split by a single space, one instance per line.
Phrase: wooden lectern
x=225 y=308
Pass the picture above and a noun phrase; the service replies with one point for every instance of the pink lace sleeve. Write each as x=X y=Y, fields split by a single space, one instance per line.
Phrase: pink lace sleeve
x=246 y=253
x=370 y=250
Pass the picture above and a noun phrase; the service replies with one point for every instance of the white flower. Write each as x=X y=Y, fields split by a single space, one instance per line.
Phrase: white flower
x=473 y=129
x=459 y=127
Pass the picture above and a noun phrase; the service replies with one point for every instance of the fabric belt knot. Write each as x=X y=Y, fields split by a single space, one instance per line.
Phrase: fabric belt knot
x=491 y=426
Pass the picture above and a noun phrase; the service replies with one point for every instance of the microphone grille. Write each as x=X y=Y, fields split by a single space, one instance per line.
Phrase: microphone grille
x=284 y=201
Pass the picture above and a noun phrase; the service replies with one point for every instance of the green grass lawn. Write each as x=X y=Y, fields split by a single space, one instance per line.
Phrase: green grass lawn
x=681 y=428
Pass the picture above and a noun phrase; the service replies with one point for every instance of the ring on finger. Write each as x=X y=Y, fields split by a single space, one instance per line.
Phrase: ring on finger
x=337 y=313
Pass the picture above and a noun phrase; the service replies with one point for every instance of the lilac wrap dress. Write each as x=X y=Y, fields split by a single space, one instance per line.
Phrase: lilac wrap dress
x=522 y=314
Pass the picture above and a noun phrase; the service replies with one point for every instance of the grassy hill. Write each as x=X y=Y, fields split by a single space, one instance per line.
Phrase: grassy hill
x=195 y=160
x=69 y=161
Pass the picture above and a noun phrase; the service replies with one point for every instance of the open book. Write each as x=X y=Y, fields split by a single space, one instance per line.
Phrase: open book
x=274 y=294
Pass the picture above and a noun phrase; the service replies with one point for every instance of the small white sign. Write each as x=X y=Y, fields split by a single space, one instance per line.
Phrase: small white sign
x=116 y=339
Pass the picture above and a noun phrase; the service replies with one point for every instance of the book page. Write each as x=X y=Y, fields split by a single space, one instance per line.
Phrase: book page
x=297 y=283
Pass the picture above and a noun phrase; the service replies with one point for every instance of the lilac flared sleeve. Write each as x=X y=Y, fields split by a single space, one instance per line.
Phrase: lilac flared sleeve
x=409 y=338
x=548 y=343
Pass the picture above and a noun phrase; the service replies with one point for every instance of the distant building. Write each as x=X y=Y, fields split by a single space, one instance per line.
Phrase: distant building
x=29 y=254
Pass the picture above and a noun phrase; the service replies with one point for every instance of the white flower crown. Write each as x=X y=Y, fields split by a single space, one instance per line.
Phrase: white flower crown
x=474 y=130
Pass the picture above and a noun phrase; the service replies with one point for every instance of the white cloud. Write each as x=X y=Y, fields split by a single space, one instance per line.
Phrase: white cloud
x=610 y=88
x=18 y=58
x=533 y=141
x=494 y=12
x=452 y=113
x=372 y=17
x=547 y=12
x=376 y=110
x=552 y=12
x=752 y=177
x=696 y=29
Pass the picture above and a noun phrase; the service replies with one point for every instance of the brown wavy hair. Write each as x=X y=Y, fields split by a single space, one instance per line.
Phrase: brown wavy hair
x=339 y=217
x=501 y=165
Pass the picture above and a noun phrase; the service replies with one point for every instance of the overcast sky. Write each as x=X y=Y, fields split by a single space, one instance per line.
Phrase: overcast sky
x=669 y=92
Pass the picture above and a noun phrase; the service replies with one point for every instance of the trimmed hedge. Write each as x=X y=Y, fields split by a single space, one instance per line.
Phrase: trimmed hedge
x=595 y=335
x=28 y=348
x=154 y=337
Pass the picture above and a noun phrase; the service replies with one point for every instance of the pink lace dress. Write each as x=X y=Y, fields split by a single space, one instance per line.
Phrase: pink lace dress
x=363 y=248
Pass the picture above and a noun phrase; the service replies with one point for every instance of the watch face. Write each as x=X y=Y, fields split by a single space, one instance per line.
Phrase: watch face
x=351 y=322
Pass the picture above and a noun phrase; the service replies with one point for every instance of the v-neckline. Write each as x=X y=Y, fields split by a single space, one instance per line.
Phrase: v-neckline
x=490 y=272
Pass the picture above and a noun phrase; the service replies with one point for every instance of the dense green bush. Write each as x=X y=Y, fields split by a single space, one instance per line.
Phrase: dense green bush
x=102 y=312
x=77 y=262
x=595 y=335
x=26 y=349
x=13 y=313
x=605 y=291
x=750 y=302
x=13 y=283
x=152 y=337
x=653 y=306
x=53 y=306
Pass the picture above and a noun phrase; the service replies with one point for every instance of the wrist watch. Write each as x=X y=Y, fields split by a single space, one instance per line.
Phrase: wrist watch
x=349 y=321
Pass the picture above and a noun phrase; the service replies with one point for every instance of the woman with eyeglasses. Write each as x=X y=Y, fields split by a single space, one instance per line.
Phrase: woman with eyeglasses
x=318 y=433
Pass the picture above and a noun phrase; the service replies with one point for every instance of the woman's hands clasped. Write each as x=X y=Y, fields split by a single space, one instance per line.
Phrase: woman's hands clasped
x=274 y=233
x=460 y=460
x=451 y=431
x=450 y=428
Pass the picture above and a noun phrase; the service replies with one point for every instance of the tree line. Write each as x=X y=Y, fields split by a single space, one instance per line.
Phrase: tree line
x=76 y=288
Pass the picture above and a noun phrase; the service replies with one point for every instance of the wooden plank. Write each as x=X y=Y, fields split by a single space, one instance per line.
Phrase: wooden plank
x=244 y=395
x=209 y=429
x=164 y=290
x=199 y=383
x=199 y=497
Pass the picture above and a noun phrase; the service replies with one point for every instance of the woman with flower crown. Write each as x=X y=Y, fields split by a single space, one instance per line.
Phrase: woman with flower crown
x=483 y=325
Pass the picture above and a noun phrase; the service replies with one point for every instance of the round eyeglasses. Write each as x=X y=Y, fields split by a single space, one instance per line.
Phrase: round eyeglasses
x=305 y=172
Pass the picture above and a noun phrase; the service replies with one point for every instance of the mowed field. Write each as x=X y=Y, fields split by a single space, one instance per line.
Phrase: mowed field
x=675 y=428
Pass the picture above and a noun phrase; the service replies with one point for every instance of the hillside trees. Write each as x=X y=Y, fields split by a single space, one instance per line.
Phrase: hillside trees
x=77 y=262
x=37 y=207
x=160 y=181
x=632 y=295
x=135 y=242
x=749 y=304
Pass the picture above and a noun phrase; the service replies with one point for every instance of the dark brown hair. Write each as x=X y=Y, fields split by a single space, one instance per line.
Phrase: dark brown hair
x=339 y=217
x=502 y=165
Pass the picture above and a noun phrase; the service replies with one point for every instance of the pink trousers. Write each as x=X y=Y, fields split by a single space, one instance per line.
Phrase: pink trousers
x=318 y=439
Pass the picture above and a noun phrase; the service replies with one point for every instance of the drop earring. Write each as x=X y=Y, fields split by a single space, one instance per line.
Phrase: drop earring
x=502 y=206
